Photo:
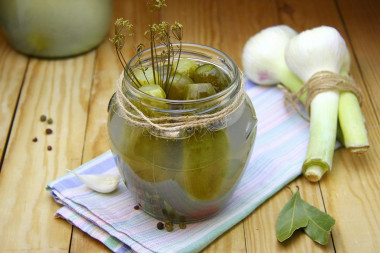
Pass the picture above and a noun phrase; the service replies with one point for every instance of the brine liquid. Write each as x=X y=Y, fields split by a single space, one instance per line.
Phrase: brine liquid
x=184 y=179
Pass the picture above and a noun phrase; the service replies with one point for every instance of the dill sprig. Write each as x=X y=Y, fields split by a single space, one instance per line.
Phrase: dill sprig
x=158 y=35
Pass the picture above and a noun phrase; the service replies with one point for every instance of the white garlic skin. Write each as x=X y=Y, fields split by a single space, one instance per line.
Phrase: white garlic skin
x=100 y=183
x=318 y=49
x=263 y=55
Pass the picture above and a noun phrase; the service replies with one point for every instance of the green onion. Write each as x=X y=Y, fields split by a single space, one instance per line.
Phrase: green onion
x=312 y=51
x=264 y=62
x=352 y=122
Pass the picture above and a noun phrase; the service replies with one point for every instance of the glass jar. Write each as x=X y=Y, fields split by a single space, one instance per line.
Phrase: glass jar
x=190 y=171
x=55 y=28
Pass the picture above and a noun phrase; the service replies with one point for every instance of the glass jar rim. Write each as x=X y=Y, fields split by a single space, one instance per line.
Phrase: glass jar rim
x=230 y=88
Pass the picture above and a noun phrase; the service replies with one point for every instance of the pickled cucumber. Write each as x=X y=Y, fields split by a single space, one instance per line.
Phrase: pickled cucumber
x=205 y=164
x=153 y=90
x=151 y=107
x=145 y=77
x=199 y=90
x=179 y=86
x=150 y=156
x=209 y=73
x=185 y=67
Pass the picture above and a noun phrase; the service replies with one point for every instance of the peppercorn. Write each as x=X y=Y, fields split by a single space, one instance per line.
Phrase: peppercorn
x=182 y=225
x=136 y=207
x=48 y=131
x=160 y=226
x=35 y=139
x=43 y=118
x=49 y=147
x=169 y=226
x=50 y=121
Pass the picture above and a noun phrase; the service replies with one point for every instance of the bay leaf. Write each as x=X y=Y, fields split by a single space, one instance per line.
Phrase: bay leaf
x=292 y=217
x=296 y=214
x=319 y=225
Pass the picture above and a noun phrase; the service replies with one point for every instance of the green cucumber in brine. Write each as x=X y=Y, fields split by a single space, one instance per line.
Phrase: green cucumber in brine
x=199 y=90
x=206 y=157
x=178 y=86
x=184 y=67
x=151 y=157
x=209 y=73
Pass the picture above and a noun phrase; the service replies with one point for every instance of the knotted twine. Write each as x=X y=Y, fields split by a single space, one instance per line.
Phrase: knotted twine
x=172 y=124
x=321 y=82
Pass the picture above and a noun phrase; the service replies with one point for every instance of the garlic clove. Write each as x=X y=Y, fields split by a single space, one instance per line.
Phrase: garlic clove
x=100 y=183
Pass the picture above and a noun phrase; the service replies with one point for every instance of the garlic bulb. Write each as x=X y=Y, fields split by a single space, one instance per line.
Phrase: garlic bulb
x=263 y=58
x=100 y=183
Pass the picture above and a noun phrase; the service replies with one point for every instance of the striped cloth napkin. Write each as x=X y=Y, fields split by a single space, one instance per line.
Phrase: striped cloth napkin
x=279 y=150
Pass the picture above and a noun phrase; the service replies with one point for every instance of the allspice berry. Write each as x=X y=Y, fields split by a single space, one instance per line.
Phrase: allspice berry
x=169 y=226
x=182 y=225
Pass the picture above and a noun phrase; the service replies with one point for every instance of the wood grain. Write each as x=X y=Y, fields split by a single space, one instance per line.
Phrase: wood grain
x=12 y=71
x=59 y=89
x=260 y=225
x=231 y=241
x=216 y=24
x=356 y=185
x=362 y=20
x=225 y=25
x=76 y=91
x=106 y=72
x=345 y=189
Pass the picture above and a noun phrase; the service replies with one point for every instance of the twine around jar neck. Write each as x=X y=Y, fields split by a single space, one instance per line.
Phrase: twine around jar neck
x=320 y=82
x=136 y=117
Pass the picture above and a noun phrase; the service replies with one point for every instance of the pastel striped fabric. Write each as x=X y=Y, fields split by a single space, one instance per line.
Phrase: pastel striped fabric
x=279 y=150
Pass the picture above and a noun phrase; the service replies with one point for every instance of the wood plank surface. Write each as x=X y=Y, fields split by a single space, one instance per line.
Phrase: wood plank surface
x=59 y=89
x=217 y=25
x=107 y=70
x=259 y=226
x=75 y=92
x=12 y=70
x=345 y=188
x=356 y=185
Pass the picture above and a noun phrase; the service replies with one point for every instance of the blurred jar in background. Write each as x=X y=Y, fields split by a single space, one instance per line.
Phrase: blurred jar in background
x=55 y=28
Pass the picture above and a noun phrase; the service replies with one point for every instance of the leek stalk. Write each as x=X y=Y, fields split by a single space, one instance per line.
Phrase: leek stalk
x=312 y=51
x=352 y=122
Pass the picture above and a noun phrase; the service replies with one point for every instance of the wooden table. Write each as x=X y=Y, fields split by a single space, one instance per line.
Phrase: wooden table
x=75 y=93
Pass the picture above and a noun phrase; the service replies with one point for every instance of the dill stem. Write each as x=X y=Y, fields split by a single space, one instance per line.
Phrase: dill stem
x=151 y=53
x=179 y=58
x=167 y=68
